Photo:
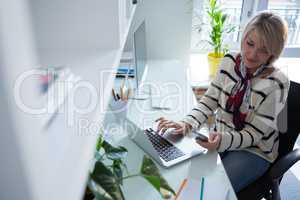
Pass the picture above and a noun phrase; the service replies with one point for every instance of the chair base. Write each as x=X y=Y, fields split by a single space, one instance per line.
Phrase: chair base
x=259 y=189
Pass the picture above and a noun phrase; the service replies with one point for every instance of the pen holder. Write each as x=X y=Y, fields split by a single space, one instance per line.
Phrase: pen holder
x=119 y=108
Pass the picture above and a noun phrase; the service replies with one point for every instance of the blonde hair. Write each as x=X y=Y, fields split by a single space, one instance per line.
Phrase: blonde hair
x=272 y=31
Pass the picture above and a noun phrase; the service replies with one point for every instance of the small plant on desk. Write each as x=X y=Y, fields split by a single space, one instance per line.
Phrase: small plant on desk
x=106 y=179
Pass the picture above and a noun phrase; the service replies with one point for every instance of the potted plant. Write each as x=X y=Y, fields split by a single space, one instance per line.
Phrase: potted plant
x=218 y=26
x=107 y=176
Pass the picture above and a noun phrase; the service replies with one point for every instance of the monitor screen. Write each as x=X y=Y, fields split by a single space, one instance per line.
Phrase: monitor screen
x=140 y=53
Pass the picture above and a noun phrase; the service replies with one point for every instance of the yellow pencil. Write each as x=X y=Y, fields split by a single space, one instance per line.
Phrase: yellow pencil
x=181 y=188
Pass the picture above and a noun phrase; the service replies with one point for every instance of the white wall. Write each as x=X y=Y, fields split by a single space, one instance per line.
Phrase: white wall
x=19 y=157
x=76 y=24
x=168 y=26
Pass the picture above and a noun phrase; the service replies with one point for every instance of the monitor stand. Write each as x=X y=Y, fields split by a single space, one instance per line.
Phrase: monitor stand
x=139 y=94
x=160 y=101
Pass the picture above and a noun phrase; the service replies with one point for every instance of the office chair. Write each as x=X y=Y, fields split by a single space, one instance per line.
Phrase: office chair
x=267 y=186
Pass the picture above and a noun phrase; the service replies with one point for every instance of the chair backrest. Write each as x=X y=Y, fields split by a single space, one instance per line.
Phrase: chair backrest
x=290 y=118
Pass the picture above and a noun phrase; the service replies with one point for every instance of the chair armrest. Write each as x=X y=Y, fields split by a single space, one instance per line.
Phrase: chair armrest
x=284 y=164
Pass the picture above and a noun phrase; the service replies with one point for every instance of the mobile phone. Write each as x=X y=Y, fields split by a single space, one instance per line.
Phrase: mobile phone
x=201 y=137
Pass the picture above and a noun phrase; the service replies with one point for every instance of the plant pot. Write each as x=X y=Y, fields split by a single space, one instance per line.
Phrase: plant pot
x=214 y=61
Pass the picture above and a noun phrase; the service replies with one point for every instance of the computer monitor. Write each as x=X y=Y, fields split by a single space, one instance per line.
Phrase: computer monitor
x=140 y=59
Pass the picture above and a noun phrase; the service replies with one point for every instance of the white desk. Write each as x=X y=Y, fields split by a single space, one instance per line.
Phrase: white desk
x=208 y=165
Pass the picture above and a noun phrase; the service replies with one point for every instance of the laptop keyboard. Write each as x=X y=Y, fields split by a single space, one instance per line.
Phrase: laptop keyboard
x=166 y=150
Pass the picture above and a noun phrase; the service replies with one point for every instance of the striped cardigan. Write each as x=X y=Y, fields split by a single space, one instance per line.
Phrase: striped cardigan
x=267 y=98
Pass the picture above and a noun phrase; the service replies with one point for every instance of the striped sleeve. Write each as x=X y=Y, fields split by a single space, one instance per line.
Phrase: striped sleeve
x=209 y=102
x=261 y=125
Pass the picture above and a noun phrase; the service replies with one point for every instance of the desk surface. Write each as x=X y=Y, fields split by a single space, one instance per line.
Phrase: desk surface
x=208 y=165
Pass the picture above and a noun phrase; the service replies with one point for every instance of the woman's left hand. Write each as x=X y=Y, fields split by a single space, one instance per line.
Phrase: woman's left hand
x=213 y=141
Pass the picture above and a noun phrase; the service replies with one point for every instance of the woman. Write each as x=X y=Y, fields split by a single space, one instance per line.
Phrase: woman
x=246 y=96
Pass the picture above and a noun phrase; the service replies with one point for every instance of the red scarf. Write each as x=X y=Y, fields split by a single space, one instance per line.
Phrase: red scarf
x=236 y=98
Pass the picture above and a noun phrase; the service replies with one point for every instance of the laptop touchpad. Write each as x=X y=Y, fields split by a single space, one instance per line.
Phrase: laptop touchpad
x=174 y=138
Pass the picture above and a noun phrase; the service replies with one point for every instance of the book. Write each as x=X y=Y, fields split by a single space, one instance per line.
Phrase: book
x=123 y=71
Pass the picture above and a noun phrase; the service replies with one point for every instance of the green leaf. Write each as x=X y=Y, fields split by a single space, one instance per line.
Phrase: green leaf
x=231 y=29
x=212 y=3
x=224 y=17
x=218 y=16
x=103 y=176
x=117 y=170
x=99 y=143
x=210 y=14
x=149 y=171
x=114 y=153
x=154 y=181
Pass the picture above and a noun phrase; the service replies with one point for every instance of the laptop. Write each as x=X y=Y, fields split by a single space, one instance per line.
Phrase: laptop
x=169 y=149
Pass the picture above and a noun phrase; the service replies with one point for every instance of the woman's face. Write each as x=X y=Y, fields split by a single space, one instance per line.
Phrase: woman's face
x=253 y=52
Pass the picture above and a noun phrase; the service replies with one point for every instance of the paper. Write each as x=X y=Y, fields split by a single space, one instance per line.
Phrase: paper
x=192 y=190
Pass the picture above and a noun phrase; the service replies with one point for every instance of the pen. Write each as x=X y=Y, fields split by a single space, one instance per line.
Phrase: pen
x=114 y=95
x=202 y=188
x=160 y=108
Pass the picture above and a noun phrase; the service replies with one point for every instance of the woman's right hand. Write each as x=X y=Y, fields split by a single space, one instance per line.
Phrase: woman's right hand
x=181 y=128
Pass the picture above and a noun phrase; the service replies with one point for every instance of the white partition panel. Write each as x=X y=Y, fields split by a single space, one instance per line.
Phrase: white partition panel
x=52 y=162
